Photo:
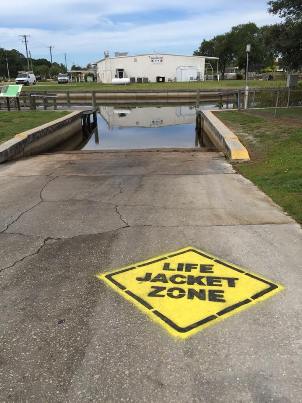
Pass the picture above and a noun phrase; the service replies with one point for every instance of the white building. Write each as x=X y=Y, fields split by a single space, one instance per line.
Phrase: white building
x=156 y=68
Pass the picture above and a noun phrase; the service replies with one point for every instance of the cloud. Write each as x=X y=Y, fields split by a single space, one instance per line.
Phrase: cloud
x=84 y=29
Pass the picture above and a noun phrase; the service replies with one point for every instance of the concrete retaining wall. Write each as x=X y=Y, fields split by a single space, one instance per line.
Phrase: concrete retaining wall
x=42 y=138
x=223 y=138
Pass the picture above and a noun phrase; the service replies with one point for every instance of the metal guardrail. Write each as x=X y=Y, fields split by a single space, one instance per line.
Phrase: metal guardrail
x=234 y=98
x=45 y=99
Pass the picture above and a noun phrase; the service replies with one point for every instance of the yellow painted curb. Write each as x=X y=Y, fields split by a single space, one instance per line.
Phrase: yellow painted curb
x=223 y=137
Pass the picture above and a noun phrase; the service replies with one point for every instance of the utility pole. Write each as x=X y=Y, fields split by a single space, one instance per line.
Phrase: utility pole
x=26 y=48
x=65 y=57
x=31 y=61
x=50 y=52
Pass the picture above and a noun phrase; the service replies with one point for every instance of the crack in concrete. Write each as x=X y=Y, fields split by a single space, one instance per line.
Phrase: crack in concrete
x=53 y=239
x=121 y=217
x=45 y=186
x=121 y=188
x=45 y=241
x=19 y=216
x=127 y=225
x=49 y=239
x=120 y=191
x=29 y=209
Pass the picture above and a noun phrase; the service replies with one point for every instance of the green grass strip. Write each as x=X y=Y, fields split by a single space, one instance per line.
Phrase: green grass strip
x=274 y=140
x=12 y=123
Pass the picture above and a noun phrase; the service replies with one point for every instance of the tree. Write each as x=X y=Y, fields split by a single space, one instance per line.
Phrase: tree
x=231 y=48
x=42 y=70
x=62 y=67
x=288 y=9
x=261 y=55
x=75 y=67
x=286 y=38
x=41 y=62
x=220 y=46
x=56 y=68
x=16 y=62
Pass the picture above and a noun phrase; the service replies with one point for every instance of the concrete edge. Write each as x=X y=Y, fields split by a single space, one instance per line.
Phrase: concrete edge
x=41 y=138
x=140 y=150
x=223 y=138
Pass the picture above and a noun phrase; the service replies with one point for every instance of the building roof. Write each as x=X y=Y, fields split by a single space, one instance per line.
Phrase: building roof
x=157 y=54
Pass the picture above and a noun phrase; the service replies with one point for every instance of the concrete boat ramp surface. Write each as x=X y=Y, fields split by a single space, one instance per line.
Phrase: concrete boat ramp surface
x=67 y=337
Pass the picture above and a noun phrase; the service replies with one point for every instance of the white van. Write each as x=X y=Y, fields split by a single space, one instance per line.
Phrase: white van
x=26 y=78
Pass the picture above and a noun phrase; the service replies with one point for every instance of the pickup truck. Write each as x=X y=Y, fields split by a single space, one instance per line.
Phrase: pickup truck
x=63 y=78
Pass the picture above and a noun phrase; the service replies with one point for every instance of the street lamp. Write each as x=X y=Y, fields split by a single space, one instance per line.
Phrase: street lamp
x=248 y=49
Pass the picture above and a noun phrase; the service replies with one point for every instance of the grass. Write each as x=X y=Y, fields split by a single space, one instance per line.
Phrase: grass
x=274 y=140
x=12 y=123
x=207 y=85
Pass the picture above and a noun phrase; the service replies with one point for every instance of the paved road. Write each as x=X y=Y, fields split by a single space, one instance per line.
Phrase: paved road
x=67 y=337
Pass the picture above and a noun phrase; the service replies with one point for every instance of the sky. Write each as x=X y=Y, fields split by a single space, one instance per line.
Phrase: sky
x=85 y=29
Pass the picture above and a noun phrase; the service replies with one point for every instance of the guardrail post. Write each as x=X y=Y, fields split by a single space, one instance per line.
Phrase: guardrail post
x=198 y=97
x=253 y=104
x=277 y=99
x=32 y=102
x=276 y=104
x=288 y=97
x=238 y=100
x=28 y=100
x=93 y=96
x=68 y=97
x=220 y=101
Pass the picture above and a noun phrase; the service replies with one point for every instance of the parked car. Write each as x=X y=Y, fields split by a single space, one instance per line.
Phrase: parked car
x=63 y=78
x=26 y=78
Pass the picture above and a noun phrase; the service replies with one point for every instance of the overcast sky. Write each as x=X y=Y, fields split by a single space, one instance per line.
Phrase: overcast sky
x=85 y=28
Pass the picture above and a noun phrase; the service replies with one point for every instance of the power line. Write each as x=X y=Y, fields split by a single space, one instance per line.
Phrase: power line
x=26 y=48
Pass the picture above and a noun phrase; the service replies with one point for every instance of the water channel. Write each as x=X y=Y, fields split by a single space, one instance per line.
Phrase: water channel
x=144 y=127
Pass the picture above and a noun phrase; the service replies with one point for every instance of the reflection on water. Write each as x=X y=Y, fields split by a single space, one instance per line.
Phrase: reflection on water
x=146 y=127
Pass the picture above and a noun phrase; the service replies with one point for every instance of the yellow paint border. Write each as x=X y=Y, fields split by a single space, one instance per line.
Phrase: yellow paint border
x=169 y=329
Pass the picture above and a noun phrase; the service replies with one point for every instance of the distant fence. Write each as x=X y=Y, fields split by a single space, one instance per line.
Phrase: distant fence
x=274 y=98
x=230 y=99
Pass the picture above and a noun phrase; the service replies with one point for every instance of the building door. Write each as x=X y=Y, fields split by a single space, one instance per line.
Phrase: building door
x=120 y=73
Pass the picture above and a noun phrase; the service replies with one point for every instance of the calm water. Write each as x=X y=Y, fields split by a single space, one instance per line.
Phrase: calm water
x=145 y=127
